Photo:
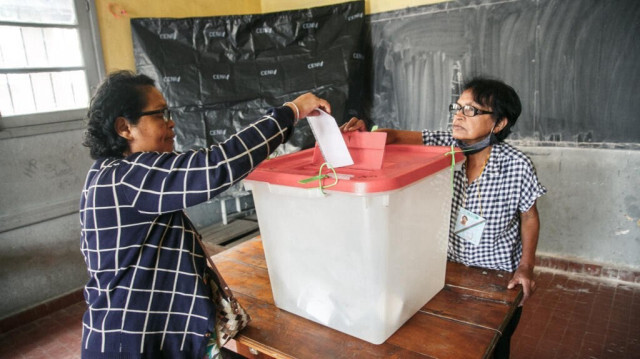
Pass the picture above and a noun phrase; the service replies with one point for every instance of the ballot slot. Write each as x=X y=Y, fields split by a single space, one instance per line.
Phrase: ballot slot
x=366 y=150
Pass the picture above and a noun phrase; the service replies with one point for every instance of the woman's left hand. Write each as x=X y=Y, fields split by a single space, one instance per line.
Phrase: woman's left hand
x=306 y=105
x=524 y=277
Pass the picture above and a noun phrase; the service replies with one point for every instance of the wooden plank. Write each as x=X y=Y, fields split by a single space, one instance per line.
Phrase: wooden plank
x=443 y=338
x=248 y=352
x=466 y=308
x=240 y=240
x=245 y=271
x=221 y=233
x=233 y=228
x=245 y=278
x=483 y=283
x=463 y=320
x=280 y=334
x=250 y=252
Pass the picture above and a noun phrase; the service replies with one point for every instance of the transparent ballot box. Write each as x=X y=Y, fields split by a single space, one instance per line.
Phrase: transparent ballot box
x=365 y=254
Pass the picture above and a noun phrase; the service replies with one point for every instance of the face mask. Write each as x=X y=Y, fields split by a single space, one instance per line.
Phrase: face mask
x=491 y=139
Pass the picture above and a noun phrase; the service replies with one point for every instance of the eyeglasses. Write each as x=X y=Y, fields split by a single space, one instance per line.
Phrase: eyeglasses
x=467 y=110
x=166 y=114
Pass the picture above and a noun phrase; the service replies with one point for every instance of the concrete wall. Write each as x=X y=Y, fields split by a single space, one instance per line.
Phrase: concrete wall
x=591 y=211
x=39 y=263
x=41 y=176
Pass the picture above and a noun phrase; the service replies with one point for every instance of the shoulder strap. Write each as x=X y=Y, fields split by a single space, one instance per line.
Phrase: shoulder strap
x=223 y=285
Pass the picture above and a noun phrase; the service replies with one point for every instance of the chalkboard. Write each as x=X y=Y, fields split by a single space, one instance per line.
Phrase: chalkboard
x=575 y=65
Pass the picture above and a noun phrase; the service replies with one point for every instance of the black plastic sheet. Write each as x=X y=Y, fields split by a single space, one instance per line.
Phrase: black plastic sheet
x=221 y=73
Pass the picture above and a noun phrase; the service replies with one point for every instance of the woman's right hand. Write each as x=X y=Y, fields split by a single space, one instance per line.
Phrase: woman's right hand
x=354 y=124
x=393 y=136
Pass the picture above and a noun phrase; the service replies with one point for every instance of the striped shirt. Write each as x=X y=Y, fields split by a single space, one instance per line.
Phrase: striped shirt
x=146 y=297
x=507 y=187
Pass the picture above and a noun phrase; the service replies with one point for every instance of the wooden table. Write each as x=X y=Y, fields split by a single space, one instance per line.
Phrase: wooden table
x=464 y=320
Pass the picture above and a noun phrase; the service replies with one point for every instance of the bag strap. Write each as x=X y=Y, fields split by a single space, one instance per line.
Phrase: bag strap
x=223 y=285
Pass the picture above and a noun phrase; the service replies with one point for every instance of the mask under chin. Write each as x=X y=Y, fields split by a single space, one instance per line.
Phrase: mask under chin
x=491 y=139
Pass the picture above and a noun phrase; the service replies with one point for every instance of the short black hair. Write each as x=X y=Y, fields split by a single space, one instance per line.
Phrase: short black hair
x=500 y=97
x=122 y=93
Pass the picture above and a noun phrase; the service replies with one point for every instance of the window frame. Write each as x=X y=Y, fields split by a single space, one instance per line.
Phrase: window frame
x=57 y=121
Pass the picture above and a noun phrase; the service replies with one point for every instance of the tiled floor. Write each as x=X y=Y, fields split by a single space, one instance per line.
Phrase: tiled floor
x=55 y=336
x=568 y=317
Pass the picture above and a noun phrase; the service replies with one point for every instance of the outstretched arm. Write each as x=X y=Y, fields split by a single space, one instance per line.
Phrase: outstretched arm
x=529 y=229
x=393 y=136
x=165 y=182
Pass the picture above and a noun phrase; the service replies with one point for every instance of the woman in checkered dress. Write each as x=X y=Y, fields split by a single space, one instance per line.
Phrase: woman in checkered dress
x=497 y=185
x=146 y=297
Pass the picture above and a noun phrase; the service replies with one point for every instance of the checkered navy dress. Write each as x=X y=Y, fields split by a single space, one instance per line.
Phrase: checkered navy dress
x=507 y=187
x=146 y=297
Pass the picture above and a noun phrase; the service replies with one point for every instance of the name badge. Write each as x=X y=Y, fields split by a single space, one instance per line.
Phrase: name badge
x=469 y=226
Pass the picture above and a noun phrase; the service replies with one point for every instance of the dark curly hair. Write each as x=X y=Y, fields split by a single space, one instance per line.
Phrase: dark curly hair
x=500 y=97
x=122 y=93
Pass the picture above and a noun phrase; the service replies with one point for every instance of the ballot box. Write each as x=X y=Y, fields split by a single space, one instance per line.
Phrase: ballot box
x=363 y=250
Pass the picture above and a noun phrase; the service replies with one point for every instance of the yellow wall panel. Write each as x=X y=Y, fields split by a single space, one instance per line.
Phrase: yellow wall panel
x=284 y=5
x=371 y=6
x=376 y=6
x=115 y=31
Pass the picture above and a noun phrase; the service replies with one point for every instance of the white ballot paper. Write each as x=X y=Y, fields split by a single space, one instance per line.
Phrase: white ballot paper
x=326 y=131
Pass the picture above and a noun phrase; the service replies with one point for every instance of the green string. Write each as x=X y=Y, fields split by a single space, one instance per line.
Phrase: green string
x=321 y=176
x=453 y=162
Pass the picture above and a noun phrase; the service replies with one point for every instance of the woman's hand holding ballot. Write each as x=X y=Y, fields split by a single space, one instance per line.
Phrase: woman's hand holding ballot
x=306 y=105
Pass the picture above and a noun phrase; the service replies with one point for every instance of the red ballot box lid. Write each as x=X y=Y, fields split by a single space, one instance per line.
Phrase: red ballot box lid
x=376 y=168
